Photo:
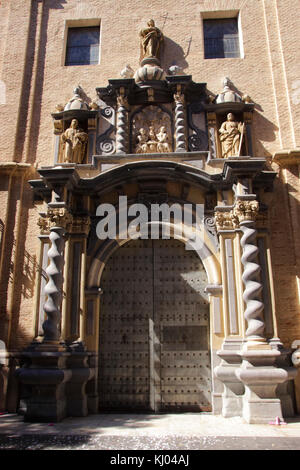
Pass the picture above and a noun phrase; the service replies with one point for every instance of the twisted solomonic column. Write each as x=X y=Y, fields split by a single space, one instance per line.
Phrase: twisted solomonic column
x=58 y=218
x=259 y=372
x=53 y=286
x=179 y=123
x=246 y=212
x=121 y=136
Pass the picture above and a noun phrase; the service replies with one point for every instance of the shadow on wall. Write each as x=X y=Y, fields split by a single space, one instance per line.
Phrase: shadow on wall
x=19 y=270
x=28 y=271
x=173 y=54
x=285 y=237
x=32 y=86
x=263 y=131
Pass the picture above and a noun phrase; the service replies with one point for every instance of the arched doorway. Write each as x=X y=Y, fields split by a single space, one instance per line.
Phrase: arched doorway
x=154 y=350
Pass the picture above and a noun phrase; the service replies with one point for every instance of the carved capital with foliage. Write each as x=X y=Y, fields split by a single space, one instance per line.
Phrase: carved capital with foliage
x=179 y=98
x=55 y=217
x=245 y=210
x=225 y=220
x=122 y=100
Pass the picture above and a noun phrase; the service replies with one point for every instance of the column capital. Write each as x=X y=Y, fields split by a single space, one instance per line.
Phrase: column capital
x=245 y=211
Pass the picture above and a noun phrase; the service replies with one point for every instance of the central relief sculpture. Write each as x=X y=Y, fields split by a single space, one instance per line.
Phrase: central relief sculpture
x=152 y=130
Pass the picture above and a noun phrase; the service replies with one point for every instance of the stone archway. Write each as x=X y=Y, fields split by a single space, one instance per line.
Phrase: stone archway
x=154 y=352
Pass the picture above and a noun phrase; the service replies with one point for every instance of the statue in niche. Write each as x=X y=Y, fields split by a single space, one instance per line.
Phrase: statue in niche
x=74 y=143
x=231 y=135
x=150 y=142
x=151 y=40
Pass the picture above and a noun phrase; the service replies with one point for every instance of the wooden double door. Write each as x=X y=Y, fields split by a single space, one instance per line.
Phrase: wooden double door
x=154 y=330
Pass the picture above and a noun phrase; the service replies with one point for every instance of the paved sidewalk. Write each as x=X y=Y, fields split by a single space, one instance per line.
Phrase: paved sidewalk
x=186 y=431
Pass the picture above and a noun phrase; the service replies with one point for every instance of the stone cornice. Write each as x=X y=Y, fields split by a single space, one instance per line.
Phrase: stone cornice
x=17 y=167
x=286 y=158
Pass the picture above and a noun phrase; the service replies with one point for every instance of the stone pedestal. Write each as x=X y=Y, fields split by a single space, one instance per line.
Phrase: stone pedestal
x=47 y=376
x=4 y=372
x=77 y=400
x=261 y=377
x=285 y=389
x=92 y=385
x=232 y=395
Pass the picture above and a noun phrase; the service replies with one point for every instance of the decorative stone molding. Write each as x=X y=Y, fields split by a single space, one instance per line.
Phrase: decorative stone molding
x=79 y=224
x=58 y=127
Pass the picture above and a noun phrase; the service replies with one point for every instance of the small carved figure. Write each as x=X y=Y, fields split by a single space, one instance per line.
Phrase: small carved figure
x=231 y=133
x=163 y=141
x=74 y=143
x=151 y=40
x=142 y=141
x=150 y=142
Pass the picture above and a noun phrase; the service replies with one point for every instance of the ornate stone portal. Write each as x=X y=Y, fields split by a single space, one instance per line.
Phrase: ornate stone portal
x=146 y=118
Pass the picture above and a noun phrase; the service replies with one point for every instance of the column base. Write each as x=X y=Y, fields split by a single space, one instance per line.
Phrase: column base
x=232 y=395
x=261 y=378
x=77 y=400
x=47 y=376
x=261 y=411
x=56 y=383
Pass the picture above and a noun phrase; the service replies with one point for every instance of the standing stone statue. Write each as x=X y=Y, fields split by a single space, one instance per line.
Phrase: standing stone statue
x=74 y=143
x=231 y=133
x=151 y=40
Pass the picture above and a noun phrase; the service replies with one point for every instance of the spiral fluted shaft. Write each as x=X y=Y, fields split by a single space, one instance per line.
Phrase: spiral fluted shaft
x=121 y=137
x=53 y=288
x=179 y=126
x=253 y=286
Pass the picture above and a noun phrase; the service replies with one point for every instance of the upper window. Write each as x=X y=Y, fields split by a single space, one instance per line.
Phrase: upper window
x=221 y=38
x=83 y=46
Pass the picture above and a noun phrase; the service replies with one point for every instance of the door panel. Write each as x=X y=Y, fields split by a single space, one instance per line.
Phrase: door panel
x=126 y=306
x=181 y=312
x=154 y=348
